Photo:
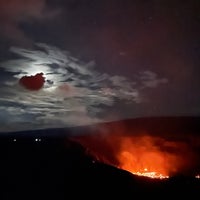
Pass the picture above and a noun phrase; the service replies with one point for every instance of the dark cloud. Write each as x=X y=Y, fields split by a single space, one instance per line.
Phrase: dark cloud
x=14 y=12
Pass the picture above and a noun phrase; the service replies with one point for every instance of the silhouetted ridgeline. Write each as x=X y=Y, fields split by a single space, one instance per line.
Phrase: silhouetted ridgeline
x=154 y=125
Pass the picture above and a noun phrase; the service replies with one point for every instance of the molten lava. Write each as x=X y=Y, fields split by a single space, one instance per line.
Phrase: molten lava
x=142 y=157
x=141 y=154
x=151 y=175
x=155 y=169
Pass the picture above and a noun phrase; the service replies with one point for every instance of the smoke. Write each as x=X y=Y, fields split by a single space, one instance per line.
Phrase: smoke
x=139 y=151
x=154 y=154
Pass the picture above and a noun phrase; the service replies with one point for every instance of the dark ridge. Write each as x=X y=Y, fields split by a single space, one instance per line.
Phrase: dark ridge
x=173 y=124
x=158 y=124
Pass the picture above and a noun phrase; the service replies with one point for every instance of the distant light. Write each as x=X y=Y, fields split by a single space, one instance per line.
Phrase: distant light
x=14 y=140
x=197 y=176
x=37 y=140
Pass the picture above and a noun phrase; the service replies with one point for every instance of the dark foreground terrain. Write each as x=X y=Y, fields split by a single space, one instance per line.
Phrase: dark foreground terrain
x=61 y=169
x=33 y=167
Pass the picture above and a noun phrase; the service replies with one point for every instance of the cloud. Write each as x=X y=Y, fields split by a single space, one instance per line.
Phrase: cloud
x=74 y=92
x=14 y=12
x=150 y=79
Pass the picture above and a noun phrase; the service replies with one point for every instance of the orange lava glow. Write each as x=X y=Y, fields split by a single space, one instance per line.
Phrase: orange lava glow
x=151 y=175
x=141 y=154
x=143 y=158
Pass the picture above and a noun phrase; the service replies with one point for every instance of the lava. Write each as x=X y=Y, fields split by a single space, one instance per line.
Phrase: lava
x=141 y=154
x=151 y=174
x=129 y=166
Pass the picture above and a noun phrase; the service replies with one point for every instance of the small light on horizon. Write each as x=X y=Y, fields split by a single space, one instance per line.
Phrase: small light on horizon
x=197 y=176
x=37 y=140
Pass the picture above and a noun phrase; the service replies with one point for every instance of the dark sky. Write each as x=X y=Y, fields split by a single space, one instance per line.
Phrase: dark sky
x=101 y=60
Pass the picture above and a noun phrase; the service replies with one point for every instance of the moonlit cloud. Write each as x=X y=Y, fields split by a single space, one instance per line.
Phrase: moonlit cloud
x=150 y=79
x=74 y=92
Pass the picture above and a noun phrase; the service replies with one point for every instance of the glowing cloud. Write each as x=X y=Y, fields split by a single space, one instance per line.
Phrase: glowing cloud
x=67 y=91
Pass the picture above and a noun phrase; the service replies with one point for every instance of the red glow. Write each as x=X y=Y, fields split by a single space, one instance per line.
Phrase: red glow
x=35 y=82
x=142 y=157
x=141 y=154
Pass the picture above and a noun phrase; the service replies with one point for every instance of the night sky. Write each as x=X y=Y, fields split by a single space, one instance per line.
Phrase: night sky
x=76 y=62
